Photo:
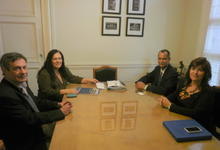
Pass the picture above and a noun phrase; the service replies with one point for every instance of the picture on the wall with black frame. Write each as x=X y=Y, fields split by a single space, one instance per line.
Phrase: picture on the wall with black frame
x=111 y=6
x=135 y=27
x=111 y=25
x=136 y=7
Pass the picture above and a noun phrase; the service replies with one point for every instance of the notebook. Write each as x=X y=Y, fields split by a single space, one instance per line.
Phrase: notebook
x=87 y=90
x=177 y=129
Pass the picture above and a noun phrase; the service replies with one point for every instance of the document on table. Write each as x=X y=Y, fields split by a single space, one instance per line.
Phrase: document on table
x=100 y=85
x=115 y=85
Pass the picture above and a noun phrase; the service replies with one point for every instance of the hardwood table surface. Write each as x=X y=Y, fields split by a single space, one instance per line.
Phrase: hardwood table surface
x=120 y=120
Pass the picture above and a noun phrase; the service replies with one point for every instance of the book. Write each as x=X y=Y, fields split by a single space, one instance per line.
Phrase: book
x=178 y=129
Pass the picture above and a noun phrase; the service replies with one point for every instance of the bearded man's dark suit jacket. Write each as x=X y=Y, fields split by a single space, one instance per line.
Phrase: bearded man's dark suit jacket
x=20 y=126
x=167 y=83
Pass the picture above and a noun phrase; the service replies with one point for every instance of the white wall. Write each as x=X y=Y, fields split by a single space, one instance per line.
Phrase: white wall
x=194 y=31
x=76 y=30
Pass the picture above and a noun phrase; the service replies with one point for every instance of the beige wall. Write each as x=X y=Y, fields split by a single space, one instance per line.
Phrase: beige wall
x=76 y=27
x=173 y=24
x=194 y=29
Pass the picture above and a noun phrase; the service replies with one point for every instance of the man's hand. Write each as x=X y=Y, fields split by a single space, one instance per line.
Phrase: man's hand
x=140 y=85
x=65 y=107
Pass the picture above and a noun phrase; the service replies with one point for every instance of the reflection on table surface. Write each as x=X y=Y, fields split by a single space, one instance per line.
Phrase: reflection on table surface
x=120 y=120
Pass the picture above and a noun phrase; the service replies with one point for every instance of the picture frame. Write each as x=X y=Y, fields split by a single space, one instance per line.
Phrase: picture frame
x=111 y=25
x=111 y=6
x=135 y=27
x=136 y=7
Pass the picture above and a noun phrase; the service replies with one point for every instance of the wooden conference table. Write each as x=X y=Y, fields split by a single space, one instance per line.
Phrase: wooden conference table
x=120 y=120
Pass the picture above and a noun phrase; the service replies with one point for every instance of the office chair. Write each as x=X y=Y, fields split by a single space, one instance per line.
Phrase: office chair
x=105 y=73
x=181 y=70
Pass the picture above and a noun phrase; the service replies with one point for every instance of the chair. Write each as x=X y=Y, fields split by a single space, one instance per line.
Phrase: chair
x=181 y=69
x=105 y=73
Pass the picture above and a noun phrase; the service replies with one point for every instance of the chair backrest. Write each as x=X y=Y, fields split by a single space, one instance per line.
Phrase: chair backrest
x=105 y=73
x=181 y=70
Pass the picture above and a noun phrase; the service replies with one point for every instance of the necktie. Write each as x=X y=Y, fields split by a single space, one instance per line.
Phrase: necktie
x=29 y=99
x=160 y=77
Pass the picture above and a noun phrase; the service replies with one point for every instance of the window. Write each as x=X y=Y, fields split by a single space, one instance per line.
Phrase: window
x=212 y=42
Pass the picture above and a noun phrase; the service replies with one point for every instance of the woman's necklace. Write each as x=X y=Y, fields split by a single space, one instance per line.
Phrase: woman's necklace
x=193 y=90
x=187 y=92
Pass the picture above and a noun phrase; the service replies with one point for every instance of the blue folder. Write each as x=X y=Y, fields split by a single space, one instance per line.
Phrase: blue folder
x=87 y=90
x=176 y=129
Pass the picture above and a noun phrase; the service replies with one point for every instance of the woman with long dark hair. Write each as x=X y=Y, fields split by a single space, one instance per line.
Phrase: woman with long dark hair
x=194 y=96
x=54 y=76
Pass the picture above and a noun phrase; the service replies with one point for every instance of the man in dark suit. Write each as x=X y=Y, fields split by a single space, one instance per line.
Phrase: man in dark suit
x=21 y=113
x=163 y=79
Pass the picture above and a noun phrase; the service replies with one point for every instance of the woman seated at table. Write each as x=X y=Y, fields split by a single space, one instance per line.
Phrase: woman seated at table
x=54 y=76
x=194 y=97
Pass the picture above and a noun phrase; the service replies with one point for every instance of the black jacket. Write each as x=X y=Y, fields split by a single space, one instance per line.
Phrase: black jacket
x=167 y=84
x=20 y=126
x=199 y=106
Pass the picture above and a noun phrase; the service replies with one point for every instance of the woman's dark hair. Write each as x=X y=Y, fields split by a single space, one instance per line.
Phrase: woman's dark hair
x=49 y=67
x=205 y=66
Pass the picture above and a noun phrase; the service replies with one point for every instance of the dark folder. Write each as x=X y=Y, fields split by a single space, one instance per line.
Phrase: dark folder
x=176 y=129
x=87 y=90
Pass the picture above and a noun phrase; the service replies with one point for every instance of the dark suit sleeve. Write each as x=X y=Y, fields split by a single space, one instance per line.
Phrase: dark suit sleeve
x=45 y=105
x=18 y=110
x=167 y=84
x=149 y=77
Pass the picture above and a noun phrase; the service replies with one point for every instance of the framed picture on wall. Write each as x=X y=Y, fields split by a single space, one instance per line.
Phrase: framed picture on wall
x=135 y=27
x=111 y=6
x=136 y=7
x=111 y=25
